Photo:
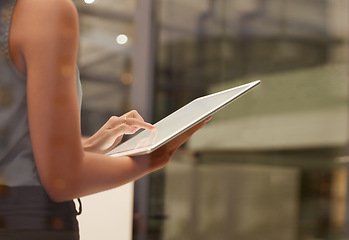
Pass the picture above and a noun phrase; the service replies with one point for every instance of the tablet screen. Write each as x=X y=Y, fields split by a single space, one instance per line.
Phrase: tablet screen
x=179 y=121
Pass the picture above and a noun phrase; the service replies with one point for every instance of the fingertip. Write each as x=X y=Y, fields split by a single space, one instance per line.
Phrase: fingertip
x=149 y=126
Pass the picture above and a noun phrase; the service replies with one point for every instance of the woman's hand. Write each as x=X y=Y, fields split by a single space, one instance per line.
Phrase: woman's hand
x=111 y=133
x=161 y=156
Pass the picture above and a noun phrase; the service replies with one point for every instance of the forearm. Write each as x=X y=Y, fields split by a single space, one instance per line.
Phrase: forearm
x=93 y=173
x=99 y=173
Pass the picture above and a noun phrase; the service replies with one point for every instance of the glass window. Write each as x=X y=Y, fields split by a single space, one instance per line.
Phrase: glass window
x=271 y=165
x=105 y=62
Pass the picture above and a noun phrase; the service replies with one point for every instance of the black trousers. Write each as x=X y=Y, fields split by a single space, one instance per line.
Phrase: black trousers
x=38 y=235
x=28 y=213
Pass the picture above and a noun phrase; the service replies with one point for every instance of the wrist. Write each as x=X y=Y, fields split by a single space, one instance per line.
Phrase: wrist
x=153 y=161
x=87 y=144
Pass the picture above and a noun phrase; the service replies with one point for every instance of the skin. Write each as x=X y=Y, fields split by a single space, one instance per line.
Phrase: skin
x=111 y=133
x=44 y=47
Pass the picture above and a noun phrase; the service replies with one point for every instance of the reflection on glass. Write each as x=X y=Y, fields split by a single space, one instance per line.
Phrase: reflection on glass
x=273 y=165
x=105 y=66
x=89 y=1
x=121 y=39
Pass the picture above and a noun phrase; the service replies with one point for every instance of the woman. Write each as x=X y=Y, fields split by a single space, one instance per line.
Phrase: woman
x=44 y=163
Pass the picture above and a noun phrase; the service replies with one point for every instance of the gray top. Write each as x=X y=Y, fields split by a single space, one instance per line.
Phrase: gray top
x=17 y=165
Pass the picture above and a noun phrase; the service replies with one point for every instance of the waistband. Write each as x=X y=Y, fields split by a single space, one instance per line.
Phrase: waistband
x=29 y=207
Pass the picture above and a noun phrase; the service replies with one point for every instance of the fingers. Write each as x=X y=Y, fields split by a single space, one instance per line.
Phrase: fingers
x=178 y=141
x=124 y=129
x=135 y=119
x=139 y=123
x=133 y=114
x=113 y=130
x=165 y=152
x=196 y=127
x=132 y=119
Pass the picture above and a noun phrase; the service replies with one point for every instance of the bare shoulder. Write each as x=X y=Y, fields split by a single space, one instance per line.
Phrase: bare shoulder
x=44 y=24
x=41 y=24
x=53 y=8
x=45 y=16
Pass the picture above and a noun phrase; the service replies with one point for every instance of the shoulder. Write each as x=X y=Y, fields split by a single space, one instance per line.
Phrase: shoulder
x=45 y=16
x=45 y=23
x=51 y=8
x=42 y=31
x=41 y=25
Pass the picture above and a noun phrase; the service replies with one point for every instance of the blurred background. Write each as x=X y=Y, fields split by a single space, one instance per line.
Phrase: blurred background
x=271 y=166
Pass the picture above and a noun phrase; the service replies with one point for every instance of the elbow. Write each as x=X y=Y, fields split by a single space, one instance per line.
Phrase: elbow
x=60 y=190
x=60 y=193
x=60 y=179
x=56 y=197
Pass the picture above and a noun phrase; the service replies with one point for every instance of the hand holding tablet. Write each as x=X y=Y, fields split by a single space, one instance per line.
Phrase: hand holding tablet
x=178 y=122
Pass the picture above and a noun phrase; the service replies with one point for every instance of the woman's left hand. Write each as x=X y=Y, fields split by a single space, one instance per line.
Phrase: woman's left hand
x=111 y=133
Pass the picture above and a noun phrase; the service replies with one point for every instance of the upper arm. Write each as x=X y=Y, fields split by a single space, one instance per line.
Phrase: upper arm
x=50 y=46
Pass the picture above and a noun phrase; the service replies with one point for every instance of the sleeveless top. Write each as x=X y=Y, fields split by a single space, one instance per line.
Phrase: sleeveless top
x=17 y=165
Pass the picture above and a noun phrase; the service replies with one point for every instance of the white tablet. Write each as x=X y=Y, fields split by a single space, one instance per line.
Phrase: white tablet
x=179 y=121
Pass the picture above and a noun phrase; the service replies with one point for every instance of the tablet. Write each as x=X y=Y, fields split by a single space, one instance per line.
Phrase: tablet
x=179 y=121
